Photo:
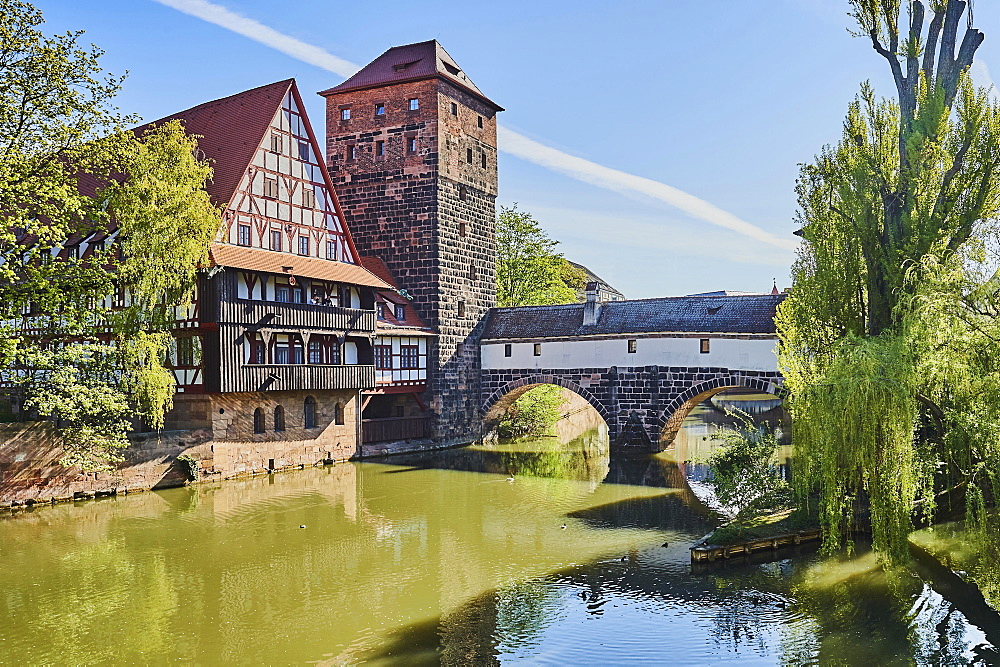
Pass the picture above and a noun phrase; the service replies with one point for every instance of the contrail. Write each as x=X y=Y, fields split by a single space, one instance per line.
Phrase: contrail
x=259 y=32
x=511 y=142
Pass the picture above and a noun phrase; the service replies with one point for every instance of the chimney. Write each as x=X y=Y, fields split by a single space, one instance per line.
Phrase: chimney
x=592 y=307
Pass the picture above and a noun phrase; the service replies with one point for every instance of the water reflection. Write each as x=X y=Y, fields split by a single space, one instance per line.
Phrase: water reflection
x=543 y=551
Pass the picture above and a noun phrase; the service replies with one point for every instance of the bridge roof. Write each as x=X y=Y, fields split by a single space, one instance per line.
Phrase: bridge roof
x=679 y=314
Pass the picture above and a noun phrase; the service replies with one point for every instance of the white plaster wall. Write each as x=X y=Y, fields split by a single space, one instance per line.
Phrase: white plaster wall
x=742 y=354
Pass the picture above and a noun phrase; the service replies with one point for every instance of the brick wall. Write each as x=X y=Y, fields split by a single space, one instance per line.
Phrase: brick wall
x=430 y=215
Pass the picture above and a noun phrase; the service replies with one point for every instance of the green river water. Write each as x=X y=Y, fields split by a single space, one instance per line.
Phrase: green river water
x=541 y=552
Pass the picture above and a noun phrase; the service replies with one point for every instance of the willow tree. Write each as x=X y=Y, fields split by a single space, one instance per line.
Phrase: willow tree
x=888 y=334
x=89 y=209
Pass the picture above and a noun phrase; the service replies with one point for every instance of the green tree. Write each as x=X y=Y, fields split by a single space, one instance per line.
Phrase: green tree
x=884 y=332
x=70 y=170
x=529 y=270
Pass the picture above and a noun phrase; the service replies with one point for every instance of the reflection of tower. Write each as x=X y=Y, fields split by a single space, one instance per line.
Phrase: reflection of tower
x=411 y=146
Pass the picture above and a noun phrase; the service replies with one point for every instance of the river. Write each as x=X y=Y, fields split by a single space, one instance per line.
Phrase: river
x=546 y=552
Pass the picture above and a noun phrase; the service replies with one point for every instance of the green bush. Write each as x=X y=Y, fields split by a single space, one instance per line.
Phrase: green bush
x=533 y=414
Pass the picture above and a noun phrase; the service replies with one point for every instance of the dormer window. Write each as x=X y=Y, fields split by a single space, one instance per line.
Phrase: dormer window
x=400 y=313
x=380 y=311
x=402 y=66
x=453 y=70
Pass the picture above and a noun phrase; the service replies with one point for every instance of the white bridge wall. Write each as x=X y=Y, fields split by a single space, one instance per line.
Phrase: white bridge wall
x=757 y=354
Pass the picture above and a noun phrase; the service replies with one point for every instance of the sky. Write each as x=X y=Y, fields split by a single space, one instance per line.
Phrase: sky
x=657 y=141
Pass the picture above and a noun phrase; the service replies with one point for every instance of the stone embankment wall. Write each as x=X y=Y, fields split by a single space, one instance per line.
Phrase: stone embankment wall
x=224 y=448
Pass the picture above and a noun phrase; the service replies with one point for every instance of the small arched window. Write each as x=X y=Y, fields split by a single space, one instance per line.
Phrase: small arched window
x=258 y=420
x=279 y=418
x=309 y=412
x=338 y=414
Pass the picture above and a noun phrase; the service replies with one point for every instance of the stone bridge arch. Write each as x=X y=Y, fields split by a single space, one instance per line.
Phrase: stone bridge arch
x=680 y=406
x=497 y=404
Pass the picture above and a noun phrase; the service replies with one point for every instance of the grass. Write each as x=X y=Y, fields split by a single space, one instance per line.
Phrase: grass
x=767 y=526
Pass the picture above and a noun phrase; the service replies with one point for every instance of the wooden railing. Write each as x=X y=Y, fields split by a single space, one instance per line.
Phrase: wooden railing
x=279 y=315
x=280 y=377
x=394 y=428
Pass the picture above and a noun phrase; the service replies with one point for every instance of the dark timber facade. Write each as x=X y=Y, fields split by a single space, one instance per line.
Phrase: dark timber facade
x=411 y=147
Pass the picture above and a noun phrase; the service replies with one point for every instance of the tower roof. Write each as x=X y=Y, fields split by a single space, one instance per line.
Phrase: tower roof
x=412 y=62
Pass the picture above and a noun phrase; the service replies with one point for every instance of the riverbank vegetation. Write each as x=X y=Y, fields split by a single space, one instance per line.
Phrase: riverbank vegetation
x=531 y=273
x=104 y=230
x=890 y=338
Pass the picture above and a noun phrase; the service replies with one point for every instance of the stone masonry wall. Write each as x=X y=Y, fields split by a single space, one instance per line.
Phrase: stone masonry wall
x=215 y=430
x=430 y=215
x=642 y=405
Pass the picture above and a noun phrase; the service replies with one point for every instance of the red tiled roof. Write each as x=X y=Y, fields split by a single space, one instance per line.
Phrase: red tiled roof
x=411 y=320
x=285 y=263
x=411 y=62
x=231 y=129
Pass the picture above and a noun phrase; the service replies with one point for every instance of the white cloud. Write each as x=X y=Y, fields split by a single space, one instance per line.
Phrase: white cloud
x=620 y=181
x=510 y=141
x=982 y=78
x=259 y=32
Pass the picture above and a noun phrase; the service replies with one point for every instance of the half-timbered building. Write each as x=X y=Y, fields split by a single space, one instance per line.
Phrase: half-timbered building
x=278 y=345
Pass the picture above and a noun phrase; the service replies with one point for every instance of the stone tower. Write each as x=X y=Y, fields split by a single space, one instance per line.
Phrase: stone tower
x=411 y=145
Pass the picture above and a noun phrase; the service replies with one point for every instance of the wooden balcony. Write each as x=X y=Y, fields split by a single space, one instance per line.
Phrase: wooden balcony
x=282 y=377
x=391 y=429
x=278 y=315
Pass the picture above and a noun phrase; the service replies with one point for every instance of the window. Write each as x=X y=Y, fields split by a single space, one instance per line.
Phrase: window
x=282 y=349
x=508 y=349
x=271 y=187
x=283 y=294
x=275 y=239
x=462 y=192
x=479 y=121
x=411 y=144
x=256 y=349
x=380 y=149
x=473 y=274
x=383 y=357
x=275 y=142
x=258 y=420
x=304 y=151
x=118 y=300
x=379 y=109
x=185 y=351
x=461 y=229
x=705 y=346
x=338 y=414
x=315 y=352
x=279 y=418
x=409 y=356
x=380 y=311
x=352 y=152
x=243 y=235
x=468 y=155
x=454 y=109
x=632 y=346
x=538 y=349
x=482 y=159
x=309 y=197
x=334 y=352
x=303 y=245
x=414 y=104
x=461 y=309
x=400 y=313
x=345 y=114
x=309 y=412
x=331 y=249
